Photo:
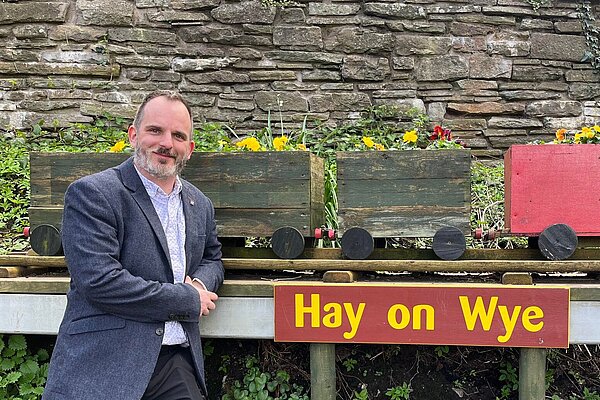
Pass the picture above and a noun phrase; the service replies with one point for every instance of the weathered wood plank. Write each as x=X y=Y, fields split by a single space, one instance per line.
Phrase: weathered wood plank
x=408 y=164
x=404 y=192
x=402 y=221
x=415 y=265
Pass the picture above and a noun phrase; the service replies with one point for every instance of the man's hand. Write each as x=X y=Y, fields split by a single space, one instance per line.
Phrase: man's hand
x=207 y=298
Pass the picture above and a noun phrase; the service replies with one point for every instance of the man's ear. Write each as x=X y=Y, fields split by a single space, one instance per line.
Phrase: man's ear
x=132 y=134
x=192 y=146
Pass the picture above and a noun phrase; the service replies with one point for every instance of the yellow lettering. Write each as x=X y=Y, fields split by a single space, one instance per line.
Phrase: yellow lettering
x=532 y=312
x=334 y=318
x=353 y=318
x=509 y=322
x=429 y=316
x=478 y=312
x=313 y=309
x=393 y=314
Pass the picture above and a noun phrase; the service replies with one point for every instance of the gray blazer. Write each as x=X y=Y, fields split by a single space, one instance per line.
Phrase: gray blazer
x=121 y=289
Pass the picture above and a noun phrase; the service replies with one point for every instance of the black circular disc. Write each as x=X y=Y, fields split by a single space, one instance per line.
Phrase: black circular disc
x=287 y=242
x=449 y=243
x=45 y=240
x=558 y=242
x=357 y=244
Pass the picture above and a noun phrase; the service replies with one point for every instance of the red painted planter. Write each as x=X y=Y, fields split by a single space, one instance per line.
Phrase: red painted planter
x=551 y=184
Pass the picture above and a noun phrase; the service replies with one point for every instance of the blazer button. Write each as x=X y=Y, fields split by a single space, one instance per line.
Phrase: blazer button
x=159 y=331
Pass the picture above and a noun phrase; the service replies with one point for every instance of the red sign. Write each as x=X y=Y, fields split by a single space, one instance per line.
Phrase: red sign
x=441 y=315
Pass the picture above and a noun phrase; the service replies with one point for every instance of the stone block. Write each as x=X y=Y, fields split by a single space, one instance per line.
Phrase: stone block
x=323 y=9
x=552 y=46
x=482 y=66
x=142 y=35
x=536 y=73
x=306 y=36
x=71 y=32
x=32 y=11
x=39 y=68
x=281 y=101
x=321 y=75
x=30 y=32
x=177 y=16
x=395 y=10
x=358 y=40
x=236 y=104
x=584 y=91
x=194 y=4
x=141 y=61
x=201 y=64
x=306 y=56
x=364 y=68
x=244 y=12
x=105 y=12
x=554 y=108
x=442 y=68
x=490 y=108
x=276 y=75
x=513 y=123
x=407 y=45
x=217 y=76
x=94 y=108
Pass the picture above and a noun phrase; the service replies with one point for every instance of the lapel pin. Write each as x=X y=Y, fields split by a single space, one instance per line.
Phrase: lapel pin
x=192 y=202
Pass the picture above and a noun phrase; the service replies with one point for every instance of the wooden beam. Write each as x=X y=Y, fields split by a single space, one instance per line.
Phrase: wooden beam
x=415 y=265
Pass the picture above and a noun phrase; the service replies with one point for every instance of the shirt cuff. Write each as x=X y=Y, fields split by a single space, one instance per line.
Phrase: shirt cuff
x=200 y=282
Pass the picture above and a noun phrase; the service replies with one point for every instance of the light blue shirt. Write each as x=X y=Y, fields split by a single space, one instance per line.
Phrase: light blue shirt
x=169 y=208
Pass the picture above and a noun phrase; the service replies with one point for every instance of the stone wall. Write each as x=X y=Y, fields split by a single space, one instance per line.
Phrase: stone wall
x=495 y=71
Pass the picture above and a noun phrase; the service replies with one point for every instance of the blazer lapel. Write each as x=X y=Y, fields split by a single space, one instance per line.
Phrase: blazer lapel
x=191 y=227
x=132 y=181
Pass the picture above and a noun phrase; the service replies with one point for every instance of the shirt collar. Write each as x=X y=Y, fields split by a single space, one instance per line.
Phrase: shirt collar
x=153 y=189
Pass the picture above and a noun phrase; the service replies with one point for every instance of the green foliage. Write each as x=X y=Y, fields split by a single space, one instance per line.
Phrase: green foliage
x=350 y=364
x=441 y=351
x=260 y=385
x=591 y=33
x=510 y=376
x=362 y=395
x=22 y=374
x=401 y=392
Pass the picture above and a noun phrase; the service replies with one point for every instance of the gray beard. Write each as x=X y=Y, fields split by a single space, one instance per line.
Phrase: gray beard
x=159 y=171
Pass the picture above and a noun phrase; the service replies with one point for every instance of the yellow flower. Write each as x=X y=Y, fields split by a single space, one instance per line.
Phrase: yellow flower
x=118 y=147
x=222 y=142
x=279 y=142
x=301 y=146
x=368 y=141
x=249 y=143
x=560 y=134
x=410 y=137
x=578 y=137
x=596 y=128
x=586 y=131
x=379 y=147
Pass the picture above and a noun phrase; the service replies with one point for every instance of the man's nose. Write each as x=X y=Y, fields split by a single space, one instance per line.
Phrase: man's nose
x=166 y=141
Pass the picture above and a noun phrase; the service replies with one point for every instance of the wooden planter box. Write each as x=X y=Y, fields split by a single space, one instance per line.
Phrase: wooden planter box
x=552 y=184
x=253 y=193
x=409 y=193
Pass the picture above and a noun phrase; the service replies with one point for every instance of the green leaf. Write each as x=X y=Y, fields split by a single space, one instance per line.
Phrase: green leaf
x=29 y=367
x=17 y=342
x=6 y=364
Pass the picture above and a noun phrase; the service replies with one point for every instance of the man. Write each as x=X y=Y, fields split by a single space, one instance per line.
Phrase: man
x=141 y=247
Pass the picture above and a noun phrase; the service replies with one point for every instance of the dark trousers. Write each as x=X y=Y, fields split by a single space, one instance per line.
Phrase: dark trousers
x=174 y=376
